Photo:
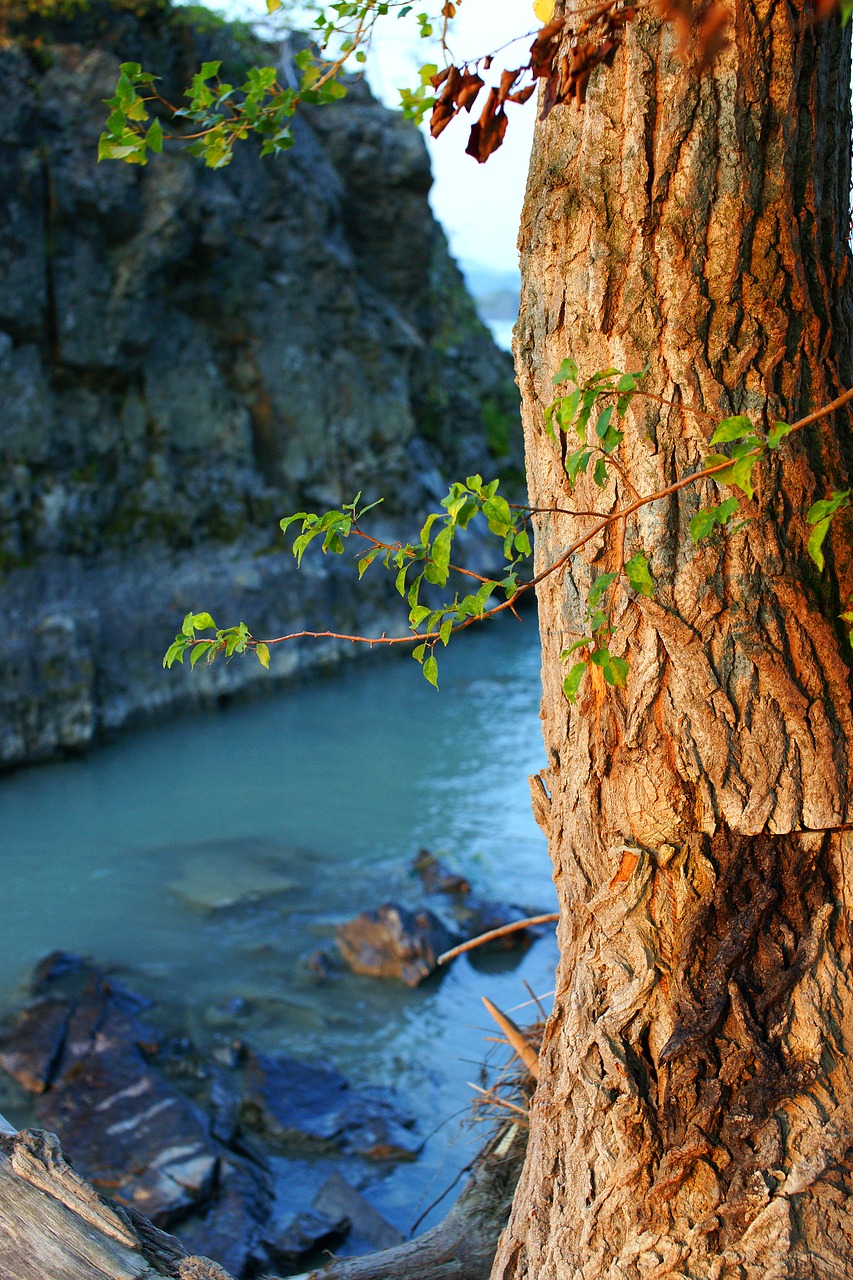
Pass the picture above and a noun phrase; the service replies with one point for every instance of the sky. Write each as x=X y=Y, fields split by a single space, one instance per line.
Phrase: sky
x=478 y=205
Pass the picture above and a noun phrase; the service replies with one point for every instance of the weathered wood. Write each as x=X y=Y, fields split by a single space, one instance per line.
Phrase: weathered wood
x=53 y=1226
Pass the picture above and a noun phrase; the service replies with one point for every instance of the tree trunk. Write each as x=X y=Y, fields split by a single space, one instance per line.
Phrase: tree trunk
x=694 y=1115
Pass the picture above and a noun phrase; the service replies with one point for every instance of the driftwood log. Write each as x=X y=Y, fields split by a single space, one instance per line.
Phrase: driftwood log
x=54 y=1226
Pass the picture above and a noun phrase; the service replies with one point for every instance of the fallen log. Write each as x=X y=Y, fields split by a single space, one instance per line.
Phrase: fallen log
x=54 y=1226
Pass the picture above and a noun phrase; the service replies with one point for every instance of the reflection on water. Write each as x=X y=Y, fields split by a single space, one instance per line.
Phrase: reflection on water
x=209 y=858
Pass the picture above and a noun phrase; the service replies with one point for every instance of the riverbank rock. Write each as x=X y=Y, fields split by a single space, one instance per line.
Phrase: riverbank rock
x=296 y=1106
x=393 y=942
x=188 y=355
x=194 y=1141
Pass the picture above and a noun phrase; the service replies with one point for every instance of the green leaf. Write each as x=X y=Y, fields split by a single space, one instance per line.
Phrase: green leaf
x=154 y=137
x=637 y=569
x=732 y=429
x=263 y=652
x=522 y=543
x=367 y=560
x=739 y=474
x=827 y=507
x=820 y=515
x=566 y=409
x=704 y=521
x=578 y=644
x=187 y=625
x=175 y=651
x=612 y=440
x=417 y=615
x=576 y=462
x=445 y=630
x=628 y=382
x=199 y=650
x=418 y=652
x=431 y=670
x=441 y=556
x=603 y=422
x=572 y=682
x=400 y=582
x=599 y=475
x=299 y=515
x=777 y=434
x=615 y=670
x=567 y=372
x=201 y=621
x=428 y=523
x=498 y=515
x=598 y=589
x=816 y=539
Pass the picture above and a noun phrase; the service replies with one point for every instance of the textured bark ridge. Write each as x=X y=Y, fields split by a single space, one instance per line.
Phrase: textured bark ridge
x=694 y=1113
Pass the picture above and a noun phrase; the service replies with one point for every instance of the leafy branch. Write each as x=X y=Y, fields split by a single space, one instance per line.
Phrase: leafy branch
x=593 y=402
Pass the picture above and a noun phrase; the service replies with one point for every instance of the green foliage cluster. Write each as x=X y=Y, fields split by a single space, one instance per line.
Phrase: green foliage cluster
x=227 y=641
x=591 y=409
x=218 y=114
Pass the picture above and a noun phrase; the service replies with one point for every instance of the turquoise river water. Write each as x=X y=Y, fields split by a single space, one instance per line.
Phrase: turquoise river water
x=206 y=859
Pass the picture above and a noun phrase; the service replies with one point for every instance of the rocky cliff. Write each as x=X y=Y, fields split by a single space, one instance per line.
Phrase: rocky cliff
x=187 y=355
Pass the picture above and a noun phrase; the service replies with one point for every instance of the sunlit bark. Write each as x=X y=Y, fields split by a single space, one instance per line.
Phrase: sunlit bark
x=694 y=1116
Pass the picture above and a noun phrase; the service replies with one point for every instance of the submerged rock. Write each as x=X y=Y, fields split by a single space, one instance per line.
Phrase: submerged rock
x=214 y=879
x=436 y=876
x=296 y=1106
x=337 y=1198
x=292 y=1239
x=393 y=942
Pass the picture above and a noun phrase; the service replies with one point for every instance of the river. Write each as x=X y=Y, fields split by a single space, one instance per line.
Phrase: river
x=207 y=858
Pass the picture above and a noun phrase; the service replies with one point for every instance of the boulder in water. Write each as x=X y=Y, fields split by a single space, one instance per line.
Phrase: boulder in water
x=393 y=942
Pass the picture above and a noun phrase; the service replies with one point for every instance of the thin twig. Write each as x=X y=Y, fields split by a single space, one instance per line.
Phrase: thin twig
x=549 y=918
x=496 y=1101
x=535 y=998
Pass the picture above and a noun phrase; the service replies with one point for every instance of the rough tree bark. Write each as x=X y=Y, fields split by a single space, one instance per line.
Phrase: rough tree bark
x=694 y=1116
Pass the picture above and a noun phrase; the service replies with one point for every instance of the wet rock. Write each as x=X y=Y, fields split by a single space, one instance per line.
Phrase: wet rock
x=292 y=1239
x=295 y=1106
x=31 y=1049
x=393 y=942
x=58 y=966
x=224 y=1107
x=136 y=1138
x=230 y=1229
x=436 y=876
x=323 y=964
x=336 y=1198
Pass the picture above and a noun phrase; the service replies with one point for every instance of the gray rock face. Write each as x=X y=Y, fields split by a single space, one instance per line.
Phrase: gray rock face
x=187 y=355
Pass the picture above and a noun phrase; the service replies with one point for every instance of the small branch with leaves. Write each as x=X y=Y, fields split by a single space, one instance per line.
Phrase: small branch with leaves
x=594 y=410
